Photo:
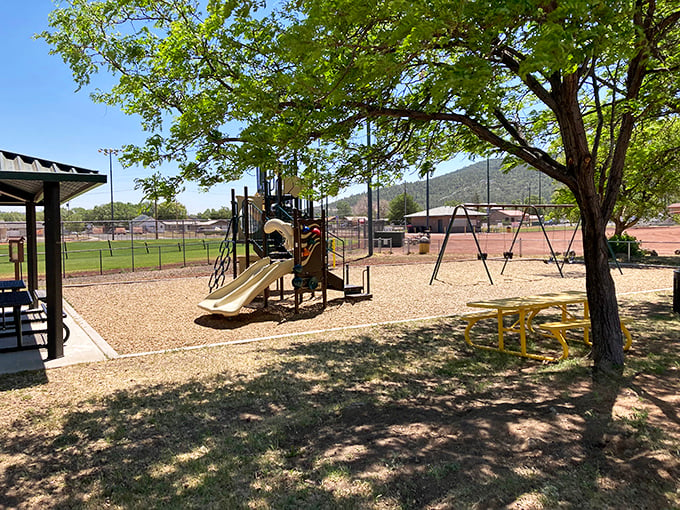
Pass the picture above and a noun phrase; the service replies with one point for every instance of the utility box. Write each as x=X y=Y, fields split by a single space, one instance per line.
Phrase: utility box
x=397 y=237
x=16 y=249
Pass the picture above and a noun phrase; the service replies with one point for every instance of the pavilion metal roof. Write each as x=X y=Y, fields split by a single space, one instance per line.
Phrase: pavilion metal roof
x=22 y=178
x=444 y=210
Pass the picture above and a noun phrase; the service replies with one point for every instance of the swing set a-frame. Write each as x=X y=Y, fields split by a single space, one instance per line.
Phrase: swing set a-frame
x=507 y=255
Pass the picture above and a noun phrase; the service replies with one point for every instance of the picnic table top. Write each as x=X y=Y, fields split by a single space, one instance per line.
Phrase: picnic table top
x=19 y=298
x=537 y=300
x=12 y=284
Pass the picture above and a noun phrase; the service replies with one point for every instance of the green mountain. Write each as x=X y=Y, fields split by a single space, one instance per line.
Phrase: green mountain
x=468 y=185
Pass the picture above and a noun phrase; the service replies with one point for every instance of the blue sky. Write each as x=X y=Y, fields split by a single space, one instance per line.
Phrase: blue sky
x=43 y=116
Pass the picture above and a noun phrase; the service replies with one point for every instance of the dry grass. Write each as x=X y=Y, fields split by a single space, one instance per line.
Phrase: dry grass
x=399 y=416
x=387 y=417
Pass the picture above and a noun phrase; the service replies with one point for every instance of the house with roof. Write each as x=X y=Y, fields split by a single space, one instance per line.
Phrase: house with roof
x=439 y=218
x=146 y=224
x=17 y=229
x=511 y=217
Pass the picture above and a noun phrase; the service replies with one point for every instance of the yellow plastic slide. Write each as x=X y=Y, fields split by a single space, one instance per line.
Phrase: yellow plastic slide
x=229 y=299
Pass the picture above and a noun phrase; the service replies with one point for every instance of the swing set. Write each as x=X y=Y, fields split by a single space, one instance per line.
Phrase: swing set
x=507 y=255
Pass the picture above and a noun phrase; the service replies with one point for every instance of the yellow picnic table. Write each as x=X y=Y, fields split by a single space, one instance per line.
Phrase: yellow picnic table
x=525 y=308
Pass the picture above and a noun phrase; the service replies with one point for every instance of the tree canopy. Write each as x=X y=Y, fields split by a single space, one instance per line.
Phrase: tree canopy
x=289 y=88
x=400 y=206
x=651 y=178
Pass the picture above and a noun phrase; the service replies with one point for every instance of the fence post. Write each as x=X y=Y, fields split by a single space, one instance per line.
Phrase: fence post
x=101 y=263
x=160 y=262
x=184 y=248
x=132 y=246
x=676 y=291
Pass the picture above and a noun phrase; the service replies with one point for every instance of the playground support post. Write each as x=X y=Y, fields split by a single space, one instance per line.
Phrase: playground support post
x=246 y=226
x=234 y=231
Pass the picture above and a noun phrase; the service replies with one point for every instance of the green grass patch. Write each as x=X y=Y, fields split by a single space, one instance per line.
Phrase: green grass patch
x=122 y=255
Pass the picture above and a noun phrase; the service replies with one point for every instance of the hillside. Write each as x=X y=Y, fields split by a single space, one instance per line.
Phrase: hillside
x=467 y=185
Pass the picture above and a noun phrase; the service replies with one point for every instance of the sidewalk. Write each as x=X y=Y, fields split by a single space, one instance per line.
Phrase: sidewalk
x=84 y=345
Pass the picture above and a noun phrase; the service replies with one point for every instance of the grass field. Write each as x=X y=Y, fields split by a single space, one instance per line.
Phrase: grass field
x=107 y=256
x=388 y=417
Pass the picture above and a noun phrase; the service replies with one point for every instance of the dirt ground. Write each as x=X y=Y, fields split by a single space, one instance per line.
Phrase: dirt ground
x=144 y=315
x=384 y=417
x=664 y=240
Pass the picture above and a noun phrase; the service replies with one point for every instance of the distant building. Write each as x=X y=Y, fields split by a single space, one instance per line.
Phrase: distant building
x=674 y=209
x=440 y=217
x=210 y=226
x=17 y=229
x=511 y=217
x=147 y=224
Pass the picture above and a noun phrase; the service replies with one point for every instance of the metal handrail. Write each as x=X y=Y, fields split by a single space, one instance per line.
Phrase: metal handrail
x=342 y=256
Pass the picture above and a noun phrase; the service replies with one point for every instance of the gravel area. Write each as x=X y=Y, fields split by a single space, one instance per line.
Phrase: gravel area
x=158 y=310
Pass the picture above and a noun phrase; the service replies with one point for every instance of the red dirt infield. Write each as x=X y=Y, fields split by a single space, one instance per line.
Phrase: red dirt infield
x=664 y=240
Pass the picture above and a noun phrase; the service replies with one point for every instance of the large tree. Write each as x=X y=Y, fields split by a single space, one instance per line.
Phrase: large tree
x=400 y=206
x=651 y=176
x=435 y=78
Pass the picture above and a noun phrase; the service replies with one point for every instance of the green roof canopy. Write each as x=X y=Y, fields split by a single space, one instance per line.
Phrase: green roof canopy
x=22 y=179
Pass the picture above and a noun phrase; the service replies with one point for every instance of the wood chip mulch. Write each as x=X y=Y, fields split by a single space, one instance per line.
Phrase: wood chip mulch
x=157 y=310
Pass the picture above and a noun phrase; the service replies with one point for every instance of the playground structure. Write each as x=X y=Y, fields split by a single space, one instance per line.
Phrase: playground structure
x=559 y=260
x=279 y=230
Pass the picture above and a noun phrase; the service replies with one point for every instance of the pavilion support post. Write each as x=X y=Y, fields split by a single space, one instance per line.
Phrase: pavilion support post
x=55 y=331
x=31 y=252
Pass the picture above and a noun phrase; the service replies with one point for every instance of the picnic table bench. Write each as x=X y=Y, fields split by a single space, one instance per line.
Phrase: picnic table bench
x=558 y=329
x=17 y=300
x=523 y=311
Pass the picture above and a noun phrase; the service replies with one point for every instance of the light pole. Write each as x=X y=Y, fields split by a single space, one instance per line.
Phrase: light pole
x=488 y=198
x=110 y=153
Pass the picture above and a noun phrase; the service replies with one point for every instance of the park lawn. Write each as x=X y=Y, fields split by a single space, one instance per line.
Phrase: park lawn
x=389 y=417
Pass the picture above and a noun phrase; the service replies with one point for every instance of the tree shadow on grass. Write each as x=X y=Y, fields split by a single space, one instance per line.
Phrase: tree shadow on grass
x=25 y=379
x=395 y=416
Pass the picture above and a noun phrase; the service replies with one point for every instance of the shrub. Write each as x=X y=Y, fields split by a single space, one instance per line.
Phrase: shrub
x=619 y=244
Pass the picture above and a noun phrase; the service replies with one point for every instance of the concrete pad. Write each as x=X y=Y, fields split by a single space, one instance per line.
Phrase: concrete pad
x=84 y=345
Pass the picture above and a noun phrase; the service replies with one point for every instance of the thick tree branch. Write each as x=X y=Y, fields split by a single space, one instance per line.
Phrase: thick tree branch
x=531 y=155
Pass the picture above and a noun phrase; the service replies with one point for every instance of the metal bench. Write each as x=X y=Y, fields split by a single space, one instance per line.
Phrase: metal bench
x=558 y=329
x=474 y=318
x=41 y=313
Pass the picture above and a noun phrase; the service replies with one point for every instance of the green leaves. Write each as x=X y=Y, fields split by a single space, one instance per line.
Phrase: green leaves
x=224 y=86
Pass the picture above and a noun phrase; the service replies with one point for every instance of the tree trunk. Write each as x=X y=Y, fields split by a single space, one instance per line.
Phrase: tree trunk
x=606 y=337
x=619 y=227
